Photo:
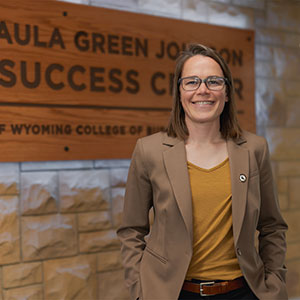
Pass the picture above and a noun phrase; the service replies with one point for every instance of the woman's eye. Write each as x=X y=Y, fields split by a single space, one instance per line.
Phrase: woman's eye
x=191 y=82
x=215 y=82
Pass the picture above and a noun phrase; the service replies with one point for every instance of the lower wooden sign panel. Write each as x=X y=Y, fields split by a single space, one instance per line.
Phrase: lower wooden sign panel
x=42 y=134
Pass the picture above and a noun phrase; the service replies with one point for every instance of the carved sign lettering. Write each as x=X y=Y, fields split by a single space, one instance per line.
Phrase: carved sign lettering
x=80 y=82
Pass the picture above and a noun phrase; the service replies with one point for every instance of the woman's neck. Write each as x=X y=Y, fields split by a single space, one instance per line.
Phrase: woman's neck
x=204 y=133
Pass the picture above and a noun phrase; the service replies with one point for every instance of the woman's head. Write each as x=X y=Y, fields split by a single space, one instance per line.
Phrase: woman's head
x=229 y=126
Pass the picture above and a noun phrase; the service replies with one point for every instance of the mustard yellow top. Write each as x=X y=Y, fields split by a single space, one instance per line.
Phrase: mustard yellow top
x=213 y=248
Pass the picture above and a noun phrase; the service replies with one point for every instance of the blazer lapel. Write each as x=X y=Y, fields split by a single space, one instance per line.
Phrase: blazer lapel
x=176 y=167
x=239 y=169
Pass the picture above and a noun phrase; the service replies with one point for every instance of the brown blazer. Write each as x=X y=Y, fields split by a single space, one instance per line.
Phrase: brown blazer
x=155 y=267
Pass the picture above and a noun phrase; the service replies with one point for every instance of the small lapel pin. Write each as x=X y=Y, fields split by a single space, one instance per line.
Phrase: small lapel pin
x=243 y=178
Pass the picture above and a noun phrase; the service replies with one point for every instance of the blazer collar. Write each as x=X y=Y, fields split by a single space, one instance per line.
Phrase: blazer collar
x=171 y=141
x=176 y=167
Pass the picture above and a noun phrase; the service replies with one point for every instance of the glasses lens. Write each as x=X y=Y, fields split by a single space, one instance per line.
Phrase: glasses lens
x=190 y=83
x=215 y=83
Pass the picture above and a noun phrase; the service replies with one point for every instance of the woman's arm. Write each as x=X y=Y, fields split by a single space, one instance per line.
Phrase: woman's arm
x=272 y=227
x=135 y=222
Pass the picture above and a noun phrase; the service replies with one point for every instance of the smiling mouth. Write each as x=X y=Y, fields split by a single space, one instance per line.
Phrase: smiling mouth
x=203 y=102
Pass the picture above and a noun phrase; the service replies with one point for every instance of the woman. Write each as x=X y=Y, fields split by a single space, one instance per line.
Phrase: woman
x=211 y=188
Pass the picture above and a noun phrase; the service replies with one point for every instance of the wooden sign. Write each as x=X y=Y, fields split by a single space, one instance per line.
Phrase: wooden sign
x=81 y=82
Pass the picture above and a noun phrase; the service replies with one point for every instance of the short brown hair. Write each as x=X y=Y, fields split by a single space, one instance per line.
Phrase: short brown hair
x=229 y=125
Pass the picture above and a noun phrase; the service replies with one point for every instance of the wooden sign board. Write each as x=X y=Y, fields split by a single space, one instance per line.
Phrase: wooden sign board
x=81 y=82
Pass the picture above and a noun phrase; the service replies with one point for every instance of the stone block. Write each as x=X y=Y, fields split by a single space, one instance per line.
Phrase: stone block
x=287 y=63
x=9 y=178
x=195 y=10
x=264 y=53
x=169 y=7
x=283 y=15
x=33 y=292
x=112 y=163
x=289 y=168
x=39 y=192
x=77 y=1
x=293 y=252
x=228 y=15
x=107 y=261
x=112 y=286
x=257 y=4
x=223 y=1
x=283 y=201
x=264 y=69
x=293 y=111
x=259 y=18
x=117 y=195
x=292 y=218
x=291 y=39
x=104 y=240
x=118 y=177
x=282 y=184
x=294 y=192
x=92 y=221
x=291 y=88
x=56 y=165
x=131 y=4
x=270 y=102
x=9 y=167
x=268 y=36
x=274 y=37
x=9 y=230
x=48 y=236
x=9 y=184
x=84 y=190
x=22 y=274
x=293 y=279
x=71 y=278
x=284 y=143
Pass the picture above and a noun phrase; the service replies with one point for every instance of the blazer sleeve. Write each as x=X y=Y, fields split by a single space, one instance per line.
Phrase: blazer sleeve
x=135 y=222
x=271 y=226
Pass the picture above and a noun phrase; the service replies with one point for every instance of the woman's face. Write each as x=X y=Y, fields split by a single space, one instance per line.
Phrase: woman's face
x=202 y=105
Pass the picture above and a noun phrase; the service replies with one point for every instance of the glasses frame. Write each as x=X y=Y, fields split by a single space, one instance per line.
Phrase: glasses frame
x=203 y=80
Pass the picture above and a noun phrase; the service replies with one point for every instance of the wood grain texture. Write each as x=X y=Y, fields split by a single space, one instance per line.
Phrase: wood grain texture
x=65 y=61
x=34 y=134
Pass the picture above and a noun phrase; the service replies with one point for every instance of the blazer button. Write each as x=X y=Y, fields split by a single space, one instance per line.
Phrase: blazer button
x=238 y=251
x=243 y=178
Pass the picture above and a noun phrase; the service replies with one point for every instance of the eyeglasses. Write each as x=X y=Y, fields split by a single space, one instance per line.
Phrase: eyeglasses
x=192 y=83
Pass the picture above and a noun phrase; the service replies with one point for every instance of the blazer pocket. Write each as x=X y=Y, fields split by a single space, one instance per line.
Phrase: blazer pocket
x=156 y=255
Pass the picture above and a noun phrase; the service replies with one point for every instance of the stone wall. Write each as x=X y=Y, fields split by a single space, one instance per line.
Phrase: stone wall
x=57 y=230
x=58 y=219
